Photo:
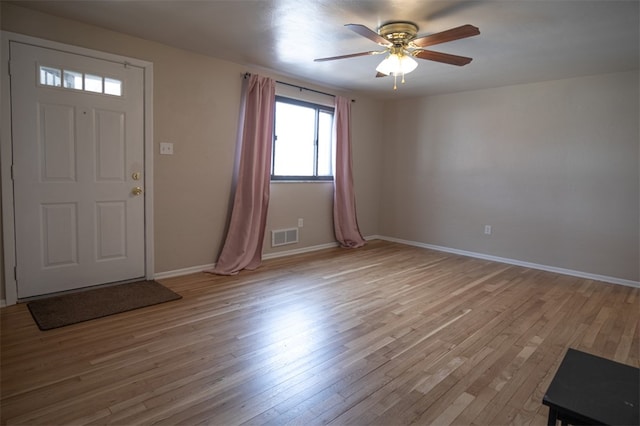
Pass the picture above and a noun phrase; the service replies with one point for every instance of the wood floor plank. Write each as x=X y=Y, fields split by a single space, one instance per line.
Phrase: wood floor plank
x=385 y=334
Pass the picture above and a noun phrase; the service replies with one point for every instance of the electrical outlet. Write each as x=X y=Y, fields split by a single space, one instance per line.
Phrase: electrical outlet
x=300 y=222
x=487 y=229
x=166 y=148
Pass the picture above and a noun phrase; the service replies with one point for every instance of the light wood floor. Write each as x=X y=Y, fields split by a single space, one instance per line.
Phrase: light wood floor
x=387 y=334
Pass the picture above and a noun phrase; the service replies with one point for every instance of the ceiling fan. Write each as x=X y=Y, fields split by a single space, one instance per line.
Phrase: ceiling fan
x=400 y=41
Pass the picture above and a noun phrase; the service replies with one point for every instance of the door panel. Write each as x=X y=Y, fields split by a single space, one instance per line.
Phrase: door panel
x=75 y=151
x=59 y=234
x=57 y=137
x=110 y=146
x=111 y=223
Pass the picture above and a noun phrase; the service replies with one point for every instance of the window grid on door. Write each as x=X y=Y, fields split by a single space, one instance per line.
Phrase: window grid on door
x=76 y=80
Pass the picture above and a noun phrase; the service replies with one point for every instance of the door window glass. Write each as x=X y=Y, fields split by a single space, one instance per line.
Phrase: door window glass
x=93 y=83
x=112 y=86
x=72 y=80
x=76 y=80
x=50 y=76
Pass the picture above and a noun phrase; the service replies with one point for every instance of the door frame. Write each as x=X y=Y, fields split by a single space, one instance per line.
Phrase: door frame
x=6 y=152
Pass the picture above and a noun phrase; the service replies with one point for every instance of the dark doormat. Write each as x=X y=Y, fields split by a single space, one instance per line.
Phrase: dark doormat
x=72 y=308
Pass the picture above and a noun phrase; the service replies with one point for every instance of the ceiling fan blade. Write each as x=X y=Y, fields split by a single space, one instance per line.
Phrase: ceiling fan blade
x=457 y=33
x=368 y=33
x=352 y=55
x=445 y=58
x=379 y=74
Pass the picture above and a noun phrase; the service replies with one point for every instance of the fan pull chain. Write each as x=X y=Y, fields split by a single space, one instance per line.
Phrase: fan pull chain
x=395 y=79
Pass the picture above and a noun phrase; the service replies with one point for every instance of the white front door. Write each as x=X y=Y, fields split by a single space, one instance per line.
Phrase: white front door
x=78 y=177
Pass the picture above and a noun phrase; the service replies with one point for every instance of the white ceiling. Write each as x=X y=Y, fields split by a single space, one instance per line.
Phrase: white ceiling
x=521 y=40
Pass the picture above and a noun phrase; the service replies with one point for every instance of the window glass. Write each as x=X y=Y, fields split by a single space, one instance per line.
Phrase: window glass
x=294 y=144
x=112 y=86
x=76 y=80
x=93 y=83
x=302 y=146
x=72 y=80
x=325 y=147
x=50 y=76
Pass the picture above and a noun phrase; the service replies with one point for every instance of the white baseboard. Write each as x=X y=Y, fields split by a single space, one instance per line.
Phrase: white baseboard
x=200 y=268
x=298 y=251
x=184 y=271
x=571 y=272
x=580 y=274
x=3 y=303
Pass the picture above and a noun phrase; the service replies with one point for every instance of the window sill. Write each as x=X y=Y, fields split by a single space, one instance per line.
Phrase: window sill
x=302 y=181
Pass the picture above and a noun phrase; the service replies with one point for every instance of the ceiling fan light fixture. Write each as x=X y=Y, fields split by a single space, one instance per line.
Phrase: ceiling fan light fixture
x=397 y=64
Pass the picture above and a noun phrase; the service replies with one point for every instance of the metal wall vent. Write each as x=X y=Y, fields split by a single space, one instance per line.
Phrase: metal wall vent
x=281 y=237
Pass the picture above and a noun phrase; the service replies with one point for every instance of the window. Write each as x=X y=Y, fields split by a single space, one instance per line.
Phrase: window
x=50 y=76
x=72 y=80
x=302 y=143
x=76 y=80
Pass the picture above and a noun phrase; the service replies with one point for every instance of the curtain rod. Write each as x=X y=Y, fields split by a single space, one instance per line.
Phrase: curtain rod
x=248 y=74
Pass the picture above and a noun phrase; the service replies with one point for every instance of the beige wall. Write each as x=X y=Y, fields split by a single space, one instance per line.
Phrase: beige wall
x=552 y=167
x=196 y=104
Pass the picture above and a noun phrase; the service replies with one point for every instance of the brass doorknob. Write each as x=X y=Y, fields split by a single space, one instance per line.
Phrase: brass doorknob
x=136 y=191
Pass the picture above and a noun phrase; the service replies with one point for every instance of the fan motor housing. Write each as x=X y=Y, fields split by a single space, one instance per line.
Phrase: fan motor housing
x=398 y=33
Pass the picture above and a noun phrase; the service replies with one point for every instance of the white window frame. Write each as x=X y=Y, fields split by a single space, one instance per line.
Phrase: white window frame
x=315 y=177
